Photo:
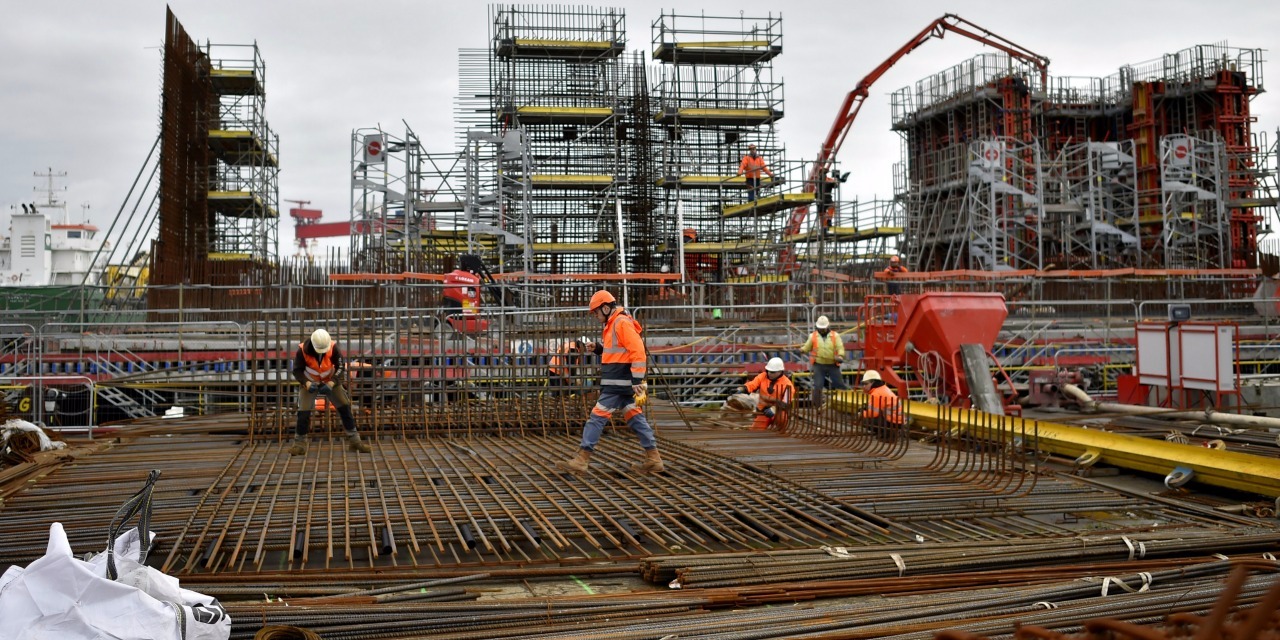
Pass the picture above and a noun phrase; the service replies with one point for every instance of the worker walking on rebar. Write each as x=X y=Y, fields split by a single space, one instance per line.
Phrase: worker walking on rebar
x=884 y=410
x=623 y=364
x=776 y=393
x=752 y=166
x=320 y=369
x=826 y=354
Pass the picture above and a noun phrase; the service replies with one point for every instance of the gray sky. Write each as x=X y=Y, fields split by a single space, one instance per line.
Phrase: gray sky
x=81 y=79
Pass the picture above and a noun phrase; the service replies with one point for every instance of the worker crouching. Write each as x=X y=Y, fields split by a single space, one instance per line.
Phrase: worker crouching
x=622 y=384
x=776 y=393
x=884 y=410
x=319 y=368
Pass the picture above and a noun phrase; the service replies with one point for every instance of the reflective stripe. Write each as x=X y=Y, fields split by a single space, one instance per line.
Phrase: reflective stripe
x=616 y=383
x=615 y=349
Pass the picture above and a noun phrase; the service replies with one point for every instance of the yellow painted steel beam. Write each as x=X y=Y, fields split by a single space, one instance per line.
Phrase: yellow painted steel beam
x=1220 y=468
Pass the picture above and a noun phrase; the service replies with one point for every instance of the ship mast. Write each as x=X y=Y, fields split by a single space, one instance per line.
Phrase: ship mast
x=50 y=190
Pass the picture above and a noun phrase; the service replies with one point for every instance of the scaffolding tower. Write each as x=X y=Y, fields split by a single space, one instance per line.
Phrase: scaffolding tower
x=714 y=95
x=244 y=169
x=1152 y=167
x=407 y=204
x=560 y=89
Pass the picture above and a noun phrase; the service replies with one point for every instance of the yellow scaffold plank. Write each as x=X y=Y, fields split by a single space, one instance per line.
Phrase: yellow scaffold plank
x=732 y=246
x=846 y=234
x=768 y=204
x=1221 y=468
x=573 y=247
x=556 y=48
x=561 y=115
x=239 y=204
x=565 y=181
x=754 y=279
x=235 y=82
x=740 y=117
x=240 y=147
x=717 y=51
x=711 y=182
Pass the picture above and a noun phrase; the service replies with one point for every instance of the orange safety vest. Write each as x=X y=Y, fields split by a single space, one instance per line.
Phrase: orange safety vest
x=558 y=363
x=753 y=167
x=883 y=404
x=318 y=370
x=771 y=391
x=891 y=269
x=623 y=360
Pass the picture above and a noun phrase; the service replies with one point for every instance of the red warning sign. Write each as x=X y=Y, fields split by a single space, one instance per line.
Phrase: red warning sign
x=1180 y=151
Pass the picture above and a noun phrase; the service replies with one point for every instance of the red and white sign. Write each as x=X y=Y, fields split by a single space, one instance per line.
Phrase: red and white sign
x=375 y=150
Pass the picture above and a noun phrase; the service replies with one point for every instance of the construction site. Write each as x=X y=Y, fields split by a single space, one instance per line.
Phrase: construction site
x=1070 y=295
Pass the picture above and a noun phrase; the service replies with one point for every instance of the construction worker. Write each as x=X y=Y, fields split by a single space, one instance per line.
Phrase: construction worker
x=826 y=354
x=319 y=368
x=776 y=394
x=622 y=385
x=752 y=166
x=826 y=195
x=895 y=267
x=883 y=407
x=559 y=367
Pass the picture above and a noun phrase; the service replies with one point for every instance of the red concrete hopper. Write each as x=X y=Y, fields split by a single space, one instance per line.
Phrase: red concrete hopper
x=942 y=322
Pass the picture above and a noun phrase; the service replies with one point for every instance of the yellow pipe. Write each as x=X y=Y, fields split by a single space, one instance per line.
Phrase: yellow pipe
x=1221 y=468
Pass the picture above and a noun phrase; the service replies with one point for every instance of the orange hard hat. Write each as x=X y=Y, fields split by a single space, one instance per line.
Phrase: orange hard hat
x=600 y=298
x=690 y=233
x=893 y=258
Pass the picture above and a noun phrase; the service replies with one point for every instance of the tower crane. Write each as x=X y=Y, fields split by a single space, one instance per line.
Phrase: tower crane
x=853 y=104
x=303 y=217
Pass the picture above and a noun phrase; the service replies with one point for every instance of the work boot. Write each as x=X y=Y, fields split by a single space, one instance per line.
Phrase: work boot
x=354 y=443
x=652 y=463
x=299 y=447
x=577 y=464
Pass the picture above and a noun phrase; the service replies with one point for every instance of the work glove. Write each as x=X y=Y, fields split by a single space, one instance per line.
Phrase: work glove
x=641 y=392
x=313 y=388
x=769 y=411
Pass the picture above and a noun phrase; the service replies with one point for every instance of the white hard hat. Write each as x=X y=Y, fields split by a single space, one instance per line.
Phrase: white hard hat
x=774 y=364
x=871 y=374
x=665 y=269
x=822 y=322
x=320 y=341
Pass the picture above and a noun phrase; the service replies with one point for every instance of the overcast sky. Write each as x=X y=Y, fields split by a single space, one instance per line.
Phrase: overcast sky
x=80 y=80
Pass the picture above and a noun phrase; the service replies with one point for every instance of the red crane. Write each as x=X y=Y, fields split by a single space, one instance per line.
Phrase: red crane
x=303 y=217
x=853 y=103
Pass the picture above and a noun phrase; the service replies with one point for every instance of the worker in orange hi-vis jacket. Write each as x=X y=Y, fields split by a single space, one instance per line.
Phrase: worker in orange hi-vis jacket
x=776 y=392
x=753 y=166
x=623 y=364
x=884 y=409
x=320 y=369
x=560 y=367
x=895 y=268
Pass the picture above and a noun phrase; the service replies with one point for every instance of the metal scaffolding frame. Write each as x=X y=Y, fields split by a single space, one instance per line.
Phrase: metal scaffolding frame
x=714 y=94
x=560 y=82
x=244 y=170
x=1105 y=148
